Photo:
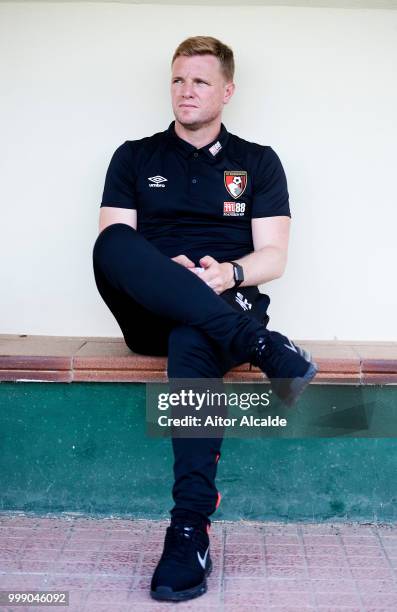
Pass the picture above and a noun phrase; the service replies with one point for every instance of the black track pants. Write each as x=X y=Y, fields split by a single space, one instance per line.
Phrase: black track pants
x=163 y=308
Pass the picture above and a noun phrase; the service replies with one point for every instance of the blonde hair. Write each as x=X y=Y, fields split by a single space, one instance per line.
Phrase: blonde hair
x=207 y=45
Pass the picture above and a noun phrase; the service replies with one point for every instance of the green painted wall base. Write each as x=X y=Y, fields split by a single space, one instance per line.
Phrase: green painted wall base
x=82 y=447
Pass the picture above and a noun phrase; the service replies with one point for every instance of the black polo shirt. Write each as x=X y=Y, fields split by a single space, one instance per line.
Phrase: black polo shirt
x=197 y=201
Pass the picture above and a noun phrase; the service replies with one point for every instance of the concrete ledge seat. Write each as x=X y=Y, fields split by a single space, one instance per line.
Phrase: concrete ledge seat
x=98 y=359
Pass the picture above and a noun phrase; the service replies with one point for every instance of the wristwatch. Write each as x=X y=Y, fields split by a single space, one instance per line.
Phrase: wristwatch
x=238 y=273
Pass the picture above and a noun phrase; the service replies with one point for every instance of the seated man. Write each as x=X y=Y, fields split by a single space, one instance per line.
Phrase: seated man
x=192 y=220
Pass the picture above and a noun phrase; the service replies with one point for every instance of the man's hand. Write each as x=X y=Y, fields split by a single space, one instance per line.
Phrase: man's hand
x=184 y=261
x=218 y=276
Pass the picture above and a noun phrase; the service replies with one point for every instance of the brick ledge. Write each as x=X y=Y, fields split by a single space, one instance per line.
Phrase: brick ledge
x=102 y=359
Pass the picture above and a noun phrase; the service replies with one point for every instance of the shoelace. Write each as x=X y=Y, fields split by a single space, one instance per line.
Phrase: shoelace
x=266 y=354
x=259 y=350
x=178 y=541
x=264 y=357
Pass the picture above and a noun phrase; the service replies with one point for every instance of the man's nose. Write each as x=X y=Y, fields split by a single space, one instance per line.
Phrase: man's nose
x=187 y=90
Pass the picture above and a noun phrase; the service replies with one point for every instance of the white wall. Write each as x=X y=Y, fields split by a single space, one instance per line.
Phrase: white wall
x=318 y=85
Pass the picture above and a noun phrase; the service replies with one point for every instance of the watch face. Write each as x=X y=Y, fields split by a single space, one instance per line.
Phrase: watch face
x=238 y=273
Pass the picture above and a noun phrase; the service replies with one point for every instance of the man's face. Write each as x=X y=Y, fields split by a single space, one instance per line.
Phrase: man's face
x=198 y=90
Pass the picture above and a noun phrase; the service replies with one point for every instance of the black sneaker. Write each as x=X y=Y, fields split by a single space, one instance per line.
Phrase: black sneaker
x=185 y=563
x=288 y=366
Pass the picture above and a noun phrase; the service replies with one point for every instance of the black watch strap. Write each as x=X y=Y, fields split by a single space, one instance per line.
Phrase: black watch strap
x=238 y=273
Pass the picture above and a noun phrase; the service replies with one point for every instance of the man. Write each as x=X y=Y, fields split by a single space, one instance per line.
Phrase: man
x=192 y=220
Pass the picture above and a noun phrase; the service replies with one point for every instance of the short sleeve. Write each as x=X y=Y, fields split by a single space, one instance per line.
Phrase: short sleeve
x=270 y=191
x=119 y=189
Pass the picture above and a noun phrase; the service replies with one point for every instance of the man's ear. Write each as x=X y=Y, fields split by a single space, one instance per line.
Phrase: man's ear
x=229 y=91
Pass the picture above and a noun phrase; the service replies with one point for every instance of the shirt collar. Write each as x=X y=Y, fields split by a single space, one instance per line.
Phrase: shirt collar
x=212 y=151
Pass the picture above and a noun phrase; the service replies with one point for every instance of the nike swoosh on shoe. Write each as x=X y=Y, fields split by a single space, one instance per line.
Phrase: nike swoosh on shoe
x=291 y=347
x=202 y=560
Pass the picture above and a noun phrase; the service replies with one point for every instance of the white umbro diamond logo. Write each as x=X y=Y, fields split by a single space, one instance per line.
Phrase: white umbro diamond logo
x=157 y=179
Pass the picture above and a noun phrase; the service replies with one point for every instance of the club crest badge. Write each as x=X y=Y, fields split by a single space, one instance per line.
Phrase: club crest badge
x=235 y=182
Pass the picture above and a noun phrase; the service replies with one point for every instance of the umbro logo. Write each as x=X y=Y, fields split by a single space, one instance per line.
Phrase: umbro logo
x=157 y=181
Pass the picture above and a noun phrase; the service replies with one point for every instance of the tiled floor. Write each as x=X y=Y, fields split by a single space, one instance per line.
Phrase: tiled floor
x=106 y=565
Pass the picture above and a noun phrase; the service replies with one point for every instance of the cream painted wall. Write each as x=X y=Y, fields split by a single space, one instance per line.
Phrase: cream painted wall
x=318 y=85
